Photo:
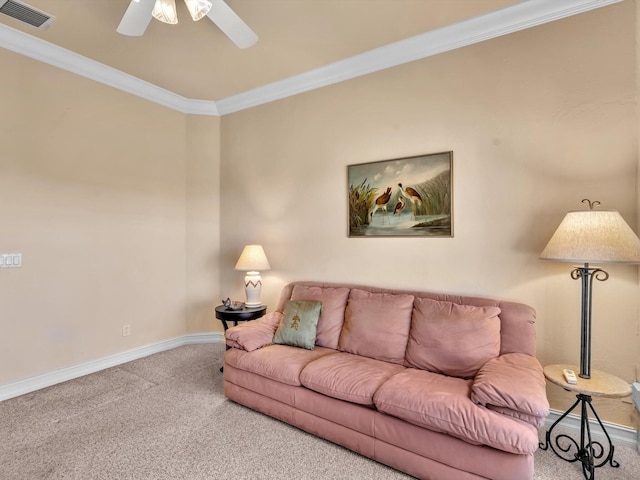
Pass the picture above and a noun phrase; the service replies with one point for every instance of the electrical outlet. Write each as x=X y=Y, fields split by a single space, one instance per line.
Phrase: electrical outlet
x=126 y=330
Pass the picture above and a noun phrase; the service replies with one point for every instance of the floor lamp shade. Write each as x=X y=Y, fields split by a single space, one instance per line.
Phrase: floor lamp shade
x=598 y=236
x=591 y=236
x=252 y=260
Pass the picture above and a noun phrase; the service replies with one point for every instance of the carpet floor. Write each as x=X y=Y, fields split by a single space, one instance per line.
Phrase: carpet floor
x=165 y=417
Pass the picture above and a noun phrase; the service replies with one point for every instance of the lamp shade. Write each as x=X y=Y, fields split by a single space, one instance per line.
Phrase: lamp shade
x=198 y=8
x=253 y=258
x=598 y=236
x=165 y=11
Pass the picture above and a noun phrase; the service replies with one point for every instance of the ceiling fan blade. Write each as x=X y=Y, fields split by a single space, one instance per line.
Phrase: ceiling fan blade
x=231 y=24
x=136 y=18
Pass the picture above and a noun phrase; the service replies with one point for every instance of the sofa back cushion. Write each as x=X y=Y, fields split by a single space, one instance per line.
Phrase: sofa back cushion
x=452 y=339
x=517 y=320
x=334 y=302
x=376 y=325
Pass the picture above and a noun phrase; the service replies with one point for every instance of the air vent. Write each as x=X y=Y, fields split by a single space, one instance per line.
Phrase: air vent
x=26 y=14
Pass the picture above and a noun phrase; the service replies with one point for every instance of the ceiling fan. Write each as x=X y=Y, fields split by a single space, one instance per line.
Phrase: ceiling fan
x=139 y=14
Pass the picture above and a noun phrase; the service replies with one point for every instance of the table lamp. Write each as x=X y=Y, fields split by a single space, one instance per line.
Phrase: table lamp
x=251 y=260
x=586 y=236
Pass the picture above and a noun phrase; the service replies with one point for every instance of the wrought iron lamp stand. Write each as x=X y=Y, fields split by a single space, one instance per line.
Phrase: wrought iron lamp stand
x=587 y=451
x=586 y=274
x=590 y=453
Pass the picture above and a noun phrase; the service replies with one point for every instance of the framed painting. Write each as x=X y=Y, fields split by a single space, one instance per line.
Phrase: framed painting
x=402 y=197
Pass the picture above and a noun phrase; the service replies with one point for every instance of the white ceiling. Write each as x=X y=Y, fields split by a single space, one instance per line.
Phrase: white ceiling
x=303 y=44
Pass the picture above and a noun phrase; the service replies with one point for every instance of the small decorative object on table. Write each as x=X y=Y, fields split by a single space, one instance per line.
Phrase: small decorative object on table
x=232 y=305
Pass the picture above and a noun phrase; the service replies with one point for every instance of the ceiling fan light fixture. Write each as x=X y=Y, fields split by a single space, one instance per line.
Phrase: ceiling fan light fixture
x=198 y=8
x=165 y=11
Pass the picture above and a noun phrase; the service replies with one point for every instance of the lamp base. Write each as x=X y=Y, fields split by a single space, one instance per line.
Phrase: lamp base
x=253 y=289
x=588 y=452
x=586 y=275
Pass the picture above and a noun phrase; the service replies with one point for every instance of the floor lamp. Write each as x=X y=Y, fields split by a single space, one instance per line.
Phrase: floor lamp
x=591 y=236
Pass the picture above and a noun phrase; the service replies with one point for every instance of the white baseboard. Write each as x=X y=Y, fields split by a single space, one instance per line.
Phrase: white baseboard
x=620 y=435
x=58 y=376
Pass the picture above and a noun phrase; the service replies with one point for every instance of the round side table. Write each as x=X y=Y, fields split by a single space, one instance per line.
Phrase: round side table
x=588 y=451
x=225 y=315
x=247 y=313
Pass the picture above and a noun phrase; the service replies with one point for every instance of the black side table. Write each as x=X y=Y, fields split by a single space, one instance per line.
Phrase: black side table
x=247 y=313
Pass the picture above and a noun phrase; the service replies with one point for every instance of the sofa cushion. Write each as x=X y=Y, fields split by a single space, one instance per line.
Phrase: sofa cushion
x=452 y=339
x=347 y=377
x=255 y=334
x=276 y=362
x=376 y=325
x=442 y=404
x=513 y=384
x=334 y=301
x=537 y=422
x=297 y=327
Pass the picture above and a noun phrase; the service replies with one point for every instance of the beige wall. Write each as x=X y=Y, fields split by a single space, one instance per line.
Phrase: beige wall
x=203 y=222
x=94 y=195
x=537 y=121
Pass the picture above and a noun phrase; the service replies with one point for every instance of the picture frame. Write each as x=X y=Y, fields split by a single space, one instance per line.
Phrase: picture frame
x=402 y=197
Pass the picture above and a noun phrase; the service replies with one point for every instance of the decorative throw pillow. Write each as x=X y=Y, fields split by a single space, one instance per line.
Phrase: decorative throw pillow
x=299 y=323
x=452 y=339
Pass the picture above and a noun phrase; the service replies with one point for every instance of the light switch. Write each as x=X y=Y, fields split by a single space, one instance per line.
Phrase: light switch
x=10 y=260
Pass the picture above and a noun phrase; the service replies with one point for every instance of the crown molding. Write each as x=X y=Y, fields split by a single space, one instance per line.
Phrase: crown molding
x=523 y=15
x=43 y=51
x=201 y=107
x=520 y=16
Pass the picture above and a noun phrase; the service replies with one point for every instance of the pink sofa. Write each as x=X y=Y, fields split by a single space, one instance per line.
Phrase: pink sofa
x=437 y=386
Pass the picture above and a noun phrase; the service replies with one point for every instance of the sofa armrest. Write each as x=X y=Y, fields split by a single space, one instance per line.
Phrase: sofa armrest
x=252 y=335
x=513 y=384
